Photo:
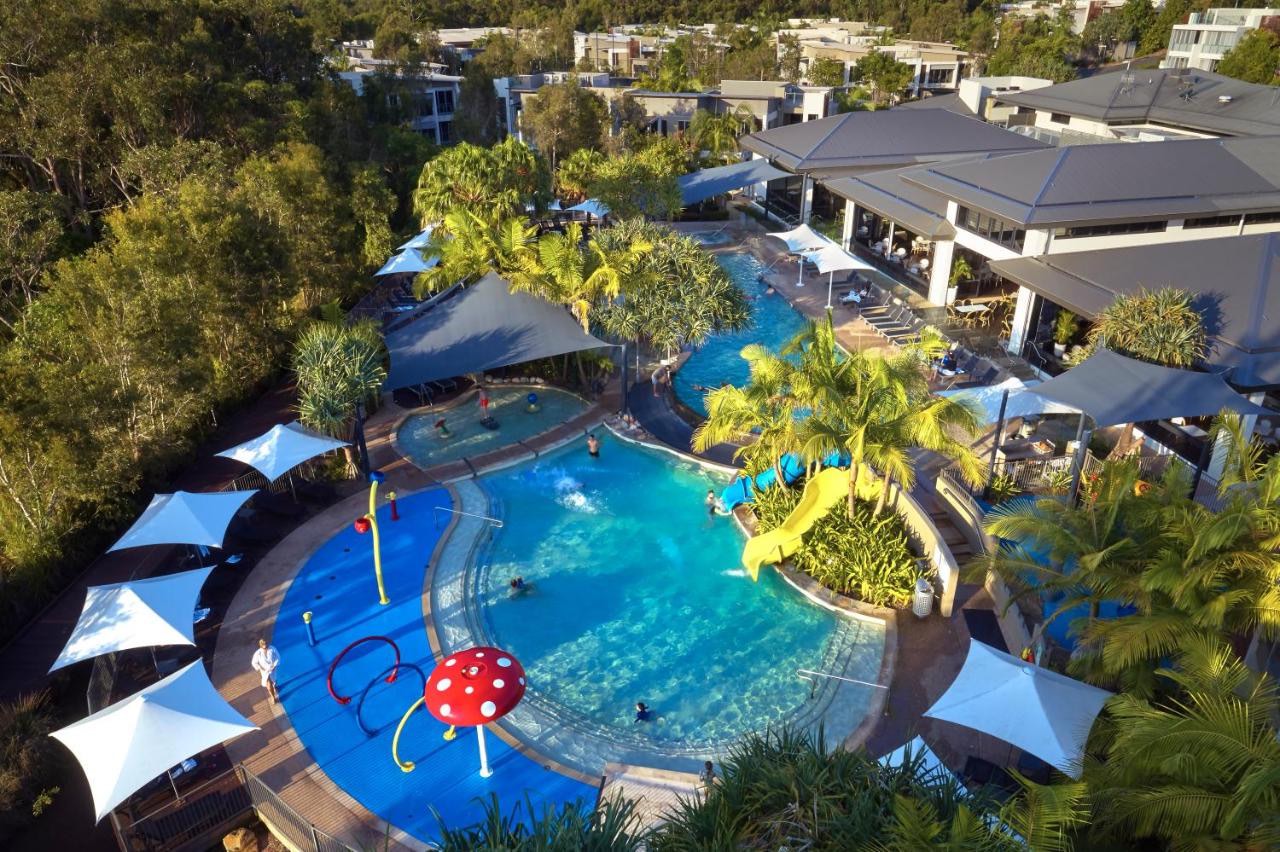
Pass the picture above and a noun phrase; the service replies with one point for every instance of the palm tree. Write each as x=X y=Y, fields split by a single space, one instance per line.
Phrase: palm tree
x=1199 y=770
x=577 y=172
x=581 y=275
x=717 y=135
x=470 y=243
x=498 y=180
x=338 y=368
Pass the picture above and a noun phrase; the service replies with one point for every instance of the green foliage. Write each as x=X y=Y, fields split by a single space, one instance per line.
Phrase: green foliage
x=611 y=826
x=864 y=556
x=717 y=135
x=1255 y=59
x=1003 y=488
x=826 y=72
x=577 y=174
x=1065 y=326
x=1129 y=23
x=337 y=367
x=30 y=234
x=1036 y=47
x=494 y=181
x=887 y=76
x=643 y=183
x=563 y=118
x=1159 y=326
x=674 y=72
x=1156 y=36
x=29 y=761
x=478 y=117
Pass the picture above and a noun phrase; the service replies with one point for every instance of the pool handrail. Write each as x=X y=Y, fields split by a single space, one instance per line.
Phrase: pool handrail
x=497 y=522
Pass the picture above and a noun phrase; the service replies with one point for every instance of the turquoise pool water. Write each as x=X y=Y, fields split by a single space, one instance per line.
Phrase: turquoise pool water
x=773 y=323
x=639 y=596
x=423 y=444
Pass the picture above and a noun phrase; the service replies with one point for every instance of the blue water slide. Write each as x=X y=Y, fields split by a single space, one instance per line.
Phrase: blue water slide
x=743 y=488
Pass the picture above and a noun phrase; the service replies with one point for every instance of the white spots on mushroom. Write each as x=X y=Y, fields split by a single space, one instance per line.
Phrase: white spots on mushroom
x=488 y=708
x=505 y=662
x=522 y=681
x=498 y=683
x=469 y=690
x=479 y=654
x=451 y=662
x=443 y=684
x=445 y=710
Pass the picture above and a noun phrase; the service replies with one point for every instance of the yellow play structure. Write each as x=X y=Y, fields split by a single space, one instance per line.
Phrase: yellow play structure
x=821 y=492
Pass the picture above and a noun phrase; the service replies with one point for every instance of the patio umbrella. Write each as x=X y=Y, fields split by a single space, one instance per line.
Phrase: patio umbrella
x=184 y=518
x=137 y=614
x=123 y=747
x=591 y=207
x=409 y=260
x=800 y=240
x=832 y=259
x=1037 y=710
x=281 y=449
x=418 y=242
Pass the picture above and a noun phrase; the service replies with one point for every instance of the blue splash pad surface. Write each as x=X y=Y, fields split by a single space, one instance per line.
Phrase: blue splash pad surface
x=337 y=585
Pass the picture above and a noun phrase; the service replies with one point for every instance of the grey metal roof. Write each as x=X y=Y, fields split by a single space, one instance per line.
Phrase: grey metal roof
x=951 y=103
x=1117 y=181
x=708 y=183
x=1113 y=389
x=844 y=145
x=1235 y=282
x=886 y=193
x=478 y=328
x=1185 y=97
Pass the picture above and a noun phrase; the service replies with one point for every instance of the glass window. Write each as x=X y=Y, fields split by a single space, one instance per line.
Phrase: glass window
x=444 y=101
x=1111 y=229
x=1228 y=221
x=997 y=230
x=1060 y=118
x=1262 y=218
x=445 y=131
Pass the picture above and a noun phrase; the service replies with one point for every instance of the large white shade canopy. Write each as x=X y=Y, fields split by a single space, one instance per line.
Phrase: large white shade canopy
x=407 y=261
x=281 y=449
x=417 y=242
x=803 y=238
x=591 y=207
x=832 y=258
x=184 y=518
x=123 y=747
x=1023 y=400
x=1037 y=710
x=137 y=614
x=919 y=749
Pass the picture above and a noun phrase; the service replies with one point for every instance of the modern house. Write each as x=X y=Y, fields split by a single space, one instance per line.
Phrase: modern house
x=980 y=97
x=467 y=43
x=936 y=66
x=424 y=99
x=1209 y=35
x=1146 y=105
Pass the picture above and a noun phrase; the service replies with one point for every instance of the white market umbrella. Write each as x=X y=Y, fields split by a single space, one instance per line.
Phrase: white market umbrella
x=591 y=207
x=1023 y=400
x=184 y=518
x=800 y=240
x=281 y=449
x=137 y=614
x=123 y=747
x=1037 y=710
x=409 y=260
x=831 y=259
x=418 y=242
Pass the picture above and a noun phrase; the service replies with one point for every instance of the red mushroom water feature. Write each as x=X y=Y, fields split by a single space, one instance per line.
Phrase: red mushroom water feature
x=474 y=687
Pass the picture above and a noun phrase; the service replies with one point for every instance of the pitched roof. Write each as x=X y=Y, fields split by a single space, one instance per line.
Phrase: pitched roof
x=1116 y=181
x=1235 y=282
x=847 y=144
x=1197 y=100
x=951 y=103
x=886 y=193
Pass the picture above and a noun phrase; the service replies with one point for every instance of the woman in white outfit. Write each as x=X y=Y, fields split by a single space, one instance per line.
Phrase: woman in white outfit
x=265 y=661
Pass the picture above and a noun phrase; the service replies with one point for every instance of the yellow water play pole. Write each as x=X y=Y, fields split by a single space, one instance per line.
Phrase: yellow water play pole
x=405 y=765
x=370 y=522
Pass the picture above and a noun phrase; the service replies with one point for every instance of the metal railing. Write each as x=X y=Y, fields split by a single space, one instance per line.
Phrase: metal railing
x=435 y=514
x=812 y=677
x=194 y=821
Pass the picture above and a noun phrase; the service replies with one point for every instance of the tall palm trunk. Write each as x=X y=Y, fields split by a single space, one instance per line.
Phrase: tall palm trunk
x=855 y=469
x=884 y=494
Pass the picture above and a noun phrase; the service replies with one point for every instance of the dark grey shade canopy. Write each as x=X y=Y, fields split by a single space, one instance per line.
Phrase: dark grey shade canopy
x=1113 y=389
x=478 y=328
x=708 y=183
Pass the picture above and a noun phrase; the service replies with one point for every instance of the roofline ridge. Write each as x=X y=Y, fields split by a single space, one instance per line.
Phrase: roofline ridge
x=1044 y=186
x=834 y=127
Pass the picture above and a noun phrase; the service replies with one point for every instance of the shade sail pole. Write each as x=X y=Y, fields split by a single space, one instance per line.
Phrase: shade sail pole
x=1077 y=462
x=995 y=440
x=831 y=277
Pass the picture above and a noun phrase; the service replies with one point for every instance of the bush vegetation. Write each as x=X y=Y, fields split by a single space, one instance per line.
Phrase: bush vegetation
x=29 y=761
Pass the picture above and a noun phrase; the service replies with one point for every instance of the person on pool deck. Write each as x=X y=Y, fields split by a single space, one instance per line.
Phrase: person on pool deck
x=643 y=713
x=265 y=662
x=707 y=776
x=593 y=446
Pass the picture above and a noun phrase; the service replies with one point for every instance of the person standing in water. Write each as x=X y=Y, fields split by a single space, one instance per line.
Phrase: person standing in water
x=593 y=446
x=484 y=402
x=713 y=505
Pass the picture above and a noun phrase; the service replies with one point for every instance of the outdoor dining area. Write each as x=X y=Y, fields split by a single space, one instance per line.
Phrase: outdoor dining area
x=894 y=248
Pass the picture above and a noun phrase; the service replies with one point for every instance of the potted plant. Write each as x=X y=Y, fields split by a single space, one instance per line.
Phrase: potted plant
x=1064 y=328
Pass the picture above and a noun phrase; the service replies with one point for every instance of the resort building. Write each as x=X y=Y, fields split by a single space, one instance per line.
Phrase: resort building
x=424 y=99
x=1142 y=105
x=936 y=66
x=467 y=42
x=979 y=97
x=1209 y=35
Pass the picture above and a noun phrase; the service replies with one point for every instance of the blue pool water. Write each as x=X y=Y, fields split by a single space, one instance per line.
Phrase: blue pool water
x=425 y=446
x=773 y=323
x=337 y=585
x=639 y=596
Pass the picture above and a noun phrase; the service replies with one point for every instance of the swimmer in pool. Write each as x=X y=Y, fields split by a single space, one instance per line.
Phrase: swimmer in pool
x=643 y=713
x=518 y=587
x=593 y=446
x=713 y=504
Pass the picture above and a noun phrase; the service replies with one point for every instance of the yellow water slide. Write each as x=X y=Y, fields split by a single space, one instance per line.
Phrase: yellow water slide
x=821 y=492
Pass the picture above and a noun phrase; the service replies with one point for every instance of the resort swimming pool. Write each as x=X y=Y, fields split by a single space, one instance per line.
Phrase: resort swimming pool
x=639 y=596
x=425 y=446
x=710 y=238
x=773 y=323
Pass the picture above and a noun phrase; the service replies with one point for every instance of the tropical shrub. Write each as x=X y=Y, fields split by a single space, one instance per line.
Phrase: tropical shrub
x=29 y=760
x=611 y=826
x=1159 y=326
x=866 y=556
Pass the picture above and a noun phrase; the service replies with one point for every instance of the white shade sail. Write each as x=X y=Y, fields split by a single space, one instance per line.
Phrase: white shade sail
x=407 y=261
x=1023 y=400
x=802 y=238
x=418 y=242
x=1037 y=710
x=123 y=747
x=591 y=207
x=137 y=614
x=184 y=518
x=832 y=258
x=281 y=449
x=929 y=762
